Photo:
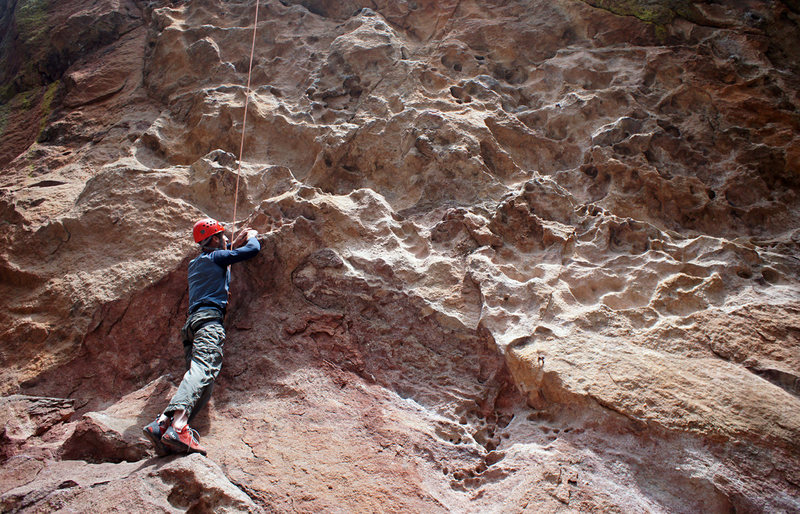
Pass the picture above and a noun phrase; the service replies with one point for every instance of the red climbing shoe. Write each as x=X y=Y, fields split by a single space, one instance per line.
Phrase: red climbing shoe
x=185 y=441
x=154 y=431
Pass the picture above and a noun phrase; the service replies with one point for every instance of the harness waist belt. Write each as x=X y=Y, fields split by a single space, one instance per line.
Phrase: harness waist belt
x=206 y=305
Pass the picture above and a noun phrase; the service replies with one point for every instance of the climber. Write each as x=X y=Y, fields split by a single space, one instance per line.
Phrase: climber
x=203 y=334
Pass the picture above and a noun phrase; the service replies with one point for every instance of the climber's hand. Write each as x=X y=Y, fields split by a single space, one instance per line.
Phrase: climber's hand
x=242 y=237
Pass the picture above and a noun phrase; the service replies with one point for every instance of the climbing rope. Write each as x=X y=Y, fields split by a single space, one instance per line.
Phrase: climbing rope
x=244 y=124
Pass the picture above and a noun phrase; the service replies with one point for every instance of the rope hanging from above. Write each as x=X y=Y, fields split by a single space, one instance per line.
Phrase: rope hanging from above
x=244 y=123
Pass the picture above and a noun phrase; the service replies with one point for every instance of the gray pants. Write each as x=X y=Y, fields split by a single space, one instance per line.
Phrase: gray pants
x=203 y=338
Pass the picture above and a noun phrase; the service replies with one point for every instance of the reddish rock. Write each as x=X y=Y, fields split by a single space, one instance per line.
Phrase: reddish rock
x=516 y=256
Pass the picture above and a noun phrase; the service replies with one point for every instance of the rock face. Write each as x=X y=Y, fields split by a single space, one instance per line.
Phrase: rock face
x=517 y=255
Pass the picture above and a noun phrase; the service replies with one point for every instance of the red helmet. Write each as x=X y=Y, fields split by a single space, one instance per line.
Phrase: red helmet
x=206 y=228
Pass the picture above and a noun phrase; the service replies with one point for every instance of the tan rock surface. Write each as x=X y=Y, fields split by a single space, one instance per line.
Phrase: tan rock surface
x=517 y=256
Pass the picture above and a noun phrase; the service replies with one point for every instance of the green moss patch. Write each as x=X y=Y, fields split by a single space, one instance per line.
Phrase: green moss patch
x=5 y=110
x=31 y=19
x=28 y=100
x=23 y=46
x=47 y=101
x=657 y=12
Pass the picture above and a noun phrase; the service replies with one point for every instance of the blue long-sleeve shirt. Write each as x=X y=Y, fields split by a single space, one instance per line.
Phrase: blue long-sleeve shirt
x=210 y=278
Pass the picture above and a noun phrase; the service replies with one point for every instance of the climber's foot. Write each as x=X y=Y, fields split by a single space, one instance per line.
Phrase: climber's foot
x=184 y=441
x=154 y=431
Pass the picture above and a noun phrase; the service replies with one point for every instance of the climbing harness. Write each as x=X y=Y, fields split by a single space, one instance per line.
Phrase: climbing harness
x=244 y=124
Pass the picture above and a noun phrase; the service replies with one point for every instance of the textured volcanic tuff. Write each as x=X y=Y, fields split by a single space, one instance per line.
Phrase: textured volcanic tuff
x=517 y=255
